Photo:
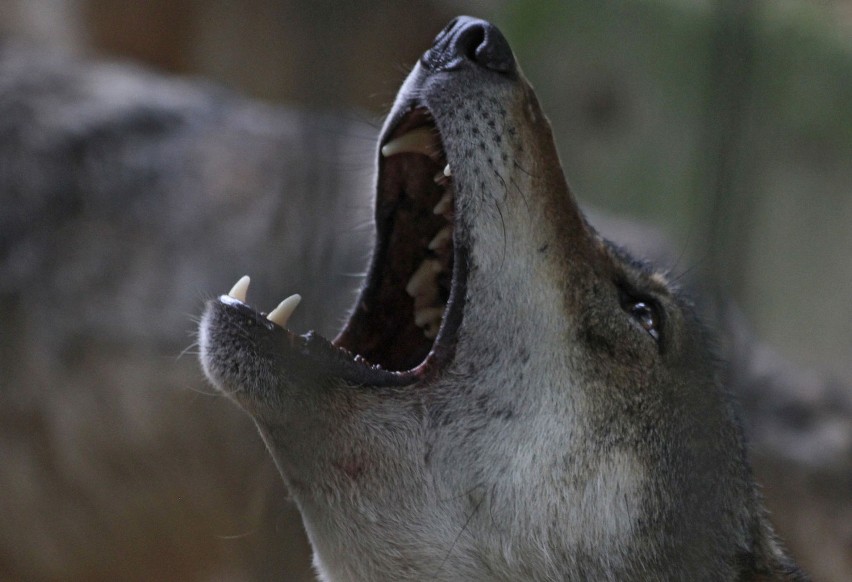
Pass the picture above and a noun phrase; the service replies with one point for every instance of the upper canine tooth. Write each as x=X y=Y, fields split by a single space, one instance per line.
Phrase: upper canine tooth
x=447 y=171
x=424 y=275
x=240 y=289
x=444 y=204
x=422 y=140
x=281 y=314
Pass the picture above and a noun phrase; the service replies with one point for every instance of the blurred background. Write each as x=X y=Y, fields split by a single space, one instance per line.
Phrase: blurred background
x=725 y=124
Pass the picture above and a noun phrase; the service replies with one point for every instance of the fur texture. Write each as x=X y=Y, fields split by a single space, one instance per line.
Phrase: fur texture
x=576 y=428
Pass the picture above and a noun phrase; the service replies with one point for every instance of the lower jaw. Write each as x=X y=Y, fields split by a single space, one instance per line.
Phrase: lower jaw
x=404 y=327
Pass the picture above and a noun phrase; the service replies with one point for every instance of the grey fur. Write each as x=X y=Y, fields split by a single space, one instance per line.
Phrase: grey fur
x=561 y=442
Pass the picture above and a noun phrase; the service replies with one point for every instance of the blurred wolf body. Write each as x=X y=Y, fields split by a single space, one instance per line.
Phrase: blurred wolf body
x=124 y=195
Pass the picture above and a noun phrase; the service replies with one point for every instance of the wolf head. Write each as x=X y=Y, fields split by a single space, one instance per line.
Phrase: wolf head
x=512 y=397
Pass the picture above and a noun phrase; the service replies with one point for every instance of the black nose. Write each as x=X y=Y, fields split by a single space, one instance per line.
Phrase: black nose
x=470 y=40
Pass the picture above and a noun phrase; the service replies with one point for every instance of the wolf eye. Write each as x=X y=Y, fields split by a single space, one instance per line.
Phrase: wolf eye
x=643 y=309
x=647 y=316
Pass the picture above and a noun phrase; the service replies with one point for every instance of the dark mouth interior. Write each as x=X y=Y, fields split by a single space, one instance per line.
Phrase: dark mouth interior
x=402 y=308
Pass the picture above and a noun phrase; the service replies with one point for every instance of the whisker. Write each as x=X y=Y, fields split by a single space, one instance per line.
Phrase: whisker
x=459 y=535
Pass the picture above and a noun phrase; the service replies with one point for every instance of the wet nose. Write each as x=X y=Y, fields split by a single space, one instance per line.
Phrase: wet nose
x=470 y=40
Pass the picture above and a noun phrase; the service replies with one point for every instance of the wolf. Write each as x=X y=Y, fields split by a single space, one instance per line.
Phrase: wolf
x=512 y=397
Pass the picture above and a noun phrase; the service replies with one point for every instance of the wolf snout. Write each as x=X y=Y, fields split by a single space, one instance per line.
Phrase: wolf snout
x=467 y=40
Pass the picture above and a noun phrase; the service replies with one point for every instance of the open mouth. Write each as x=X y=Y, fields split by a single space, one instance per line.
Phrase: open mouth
x=404 y=306
x=405 y=321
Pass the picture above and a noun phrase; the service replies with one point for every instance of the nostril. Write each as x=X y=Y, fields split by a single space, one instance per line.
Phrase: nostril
x=470 y=40
x=493 y=50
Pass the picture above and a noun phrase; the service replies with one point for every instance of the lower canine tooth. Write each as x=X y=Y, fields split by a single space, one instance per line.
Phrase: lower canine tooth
x=444 y=204
x=240 y=289
x=447 y=171
x=281 y=314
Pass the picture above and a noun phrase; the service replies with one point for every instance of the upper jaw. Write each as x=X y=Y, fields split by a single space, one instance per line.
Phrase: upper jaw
x=424 y=145
x=408 y=315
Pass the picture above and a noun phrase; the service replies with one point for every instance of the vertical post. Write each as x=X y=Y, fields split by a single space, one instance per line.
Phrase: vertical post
x=727 y=159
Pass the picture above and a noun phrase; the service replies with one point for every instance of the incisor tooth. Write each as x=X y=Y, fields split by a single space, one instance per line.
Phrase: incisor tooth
x=281 y=314
x=424 y=275
x=240 y=289
x=444 y=204
x=443 y=236
x=422 y=140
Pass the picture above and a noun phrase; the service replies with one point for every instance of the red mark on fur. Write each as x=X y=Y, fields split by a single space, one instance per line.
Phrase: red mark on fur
x=352 y=467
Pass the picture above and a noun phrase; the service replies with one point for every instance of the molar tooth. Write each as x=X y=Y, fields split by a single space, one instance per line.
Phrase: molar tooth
x=422 y=140
x=444 y=204
x=424 y=275
x=431 y=330
x=427 y=296
x=443 y=236
x=281 y=314
x=427 y=316
x=240 y=289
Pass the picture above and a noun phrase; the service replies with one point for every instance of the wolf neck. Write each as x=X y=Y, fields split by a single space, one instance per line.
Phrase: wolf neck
x=517 y=280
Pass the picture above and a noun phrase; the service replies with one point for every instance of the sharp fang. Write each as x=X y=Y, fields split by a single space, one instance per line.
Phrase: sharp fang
x=447 y=171
x=444 y=204
x=422 y=140
x=281 y=314
x=442 y=238
x=423 y=276
x=425 y=317
x=240 y=289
